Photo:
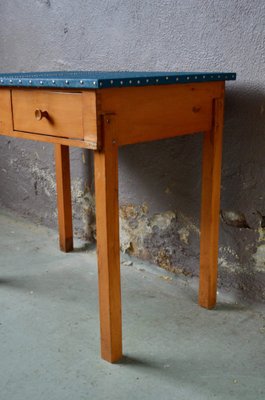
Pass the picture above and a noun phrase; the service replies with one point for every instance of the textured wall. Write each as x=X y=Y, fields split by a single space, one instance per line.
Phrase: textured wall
x=159 y=182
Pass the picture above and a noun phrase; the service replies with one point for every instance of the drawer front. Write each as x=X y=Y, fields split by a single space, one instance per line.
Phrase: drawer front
x=5 y=112
x=48 y=113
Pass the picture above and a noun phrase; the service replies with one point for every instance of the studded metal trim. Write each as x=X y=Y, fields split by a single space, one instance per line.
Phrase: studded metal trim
x=100 y=80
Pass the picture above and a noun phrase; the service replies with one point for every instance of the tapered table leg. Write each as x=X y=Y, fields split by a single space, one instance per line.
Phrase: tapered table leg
x=210 y=207
x=108 y=249
x=64 y=202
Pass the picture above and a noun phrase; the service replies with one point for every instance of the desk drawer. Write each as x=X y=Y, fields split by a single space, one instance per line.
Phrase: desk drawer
x=48 y=113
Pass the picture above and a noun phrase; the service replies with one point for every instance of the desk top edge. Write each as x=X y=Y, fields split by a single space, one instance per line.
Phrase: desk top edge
x=107 y=79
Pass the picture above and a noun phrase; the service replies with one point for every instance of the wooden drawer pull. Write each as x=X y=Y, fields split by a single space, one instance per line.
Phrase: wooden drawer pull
x=39 y=114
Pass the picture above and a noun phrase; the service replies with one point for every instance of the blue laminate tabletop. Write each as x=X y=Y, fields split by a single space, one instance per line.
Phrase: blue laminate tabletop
x=107 y=79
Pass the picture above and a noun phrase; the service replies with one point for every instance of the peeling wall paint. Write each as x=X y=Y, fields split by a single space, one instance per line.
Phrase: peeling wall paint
x=160 y=181
x=167 y=238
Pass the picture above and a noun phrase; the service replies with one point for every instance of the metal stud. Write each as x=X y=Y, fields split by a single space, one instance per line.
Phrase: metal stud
x=177 y=79
x=10 y=81
x=81 y=82
x=196 y=77
x=30 y=82
x=94 y=82
x=203 y=76
x=188 y=78
x=130 y=82
x=138 y=82
x=147 y=80
x=166 y=77
x=100 y=83
x=41 y=82
x=20 y=81
x=2 y=81
x=66 y=82
x=53 y=81
x=219 y=76
x=121 y=82
x=111 y=82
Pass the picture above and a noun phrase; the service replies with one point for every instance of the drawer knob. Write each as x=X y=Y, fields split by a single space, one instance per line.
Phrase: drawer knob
x=39 y=114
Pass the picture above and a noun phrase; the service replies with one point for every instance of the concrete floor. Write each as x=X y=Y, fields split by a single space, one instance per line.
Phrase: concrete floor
x=49 y=330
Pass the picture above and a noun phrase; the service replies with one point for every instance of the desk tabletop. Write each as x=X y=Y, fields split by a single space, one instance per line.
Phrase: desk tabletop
x=107 y=79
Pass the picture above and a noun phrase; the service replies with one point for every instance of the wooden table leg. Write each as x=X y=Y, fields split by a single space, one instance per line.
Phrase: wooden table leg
x=64 y=202
x=108 y=249
x=210 y=208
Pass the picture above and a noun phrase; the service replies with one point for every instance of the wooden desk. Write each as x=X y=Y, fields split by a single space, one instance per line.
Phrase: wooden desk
x=102 y=111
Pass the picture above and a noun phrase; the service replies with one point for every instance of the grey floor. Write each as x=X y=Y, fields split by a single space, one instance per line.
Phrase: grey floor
x=49 y=330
